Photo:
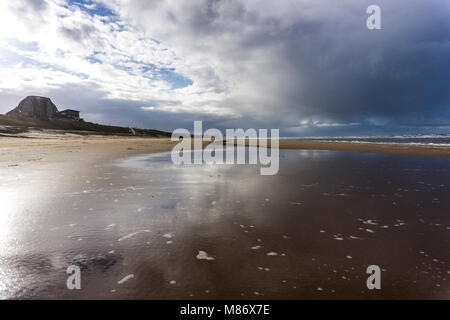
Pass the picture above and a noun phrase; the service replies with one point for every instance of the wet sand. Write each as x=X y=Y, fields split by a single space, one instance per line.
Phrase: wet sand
x=400 y=149
x=141 y=228
x=412 y=150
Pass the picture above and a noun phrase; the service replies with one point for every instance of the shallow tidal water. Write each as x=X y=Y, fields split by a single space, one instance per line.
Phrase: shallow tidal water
x=144 y=228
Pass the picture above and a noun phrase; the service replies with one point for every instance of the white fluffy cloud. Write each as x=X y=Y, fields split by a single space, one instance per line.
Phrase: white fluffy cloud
x=74 y=46
x=57 y=44
x=300 y=65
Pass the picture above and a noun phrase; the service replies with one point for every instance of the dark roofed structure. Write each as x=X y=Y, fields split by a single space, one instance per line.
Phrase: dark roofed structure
x=68 y=114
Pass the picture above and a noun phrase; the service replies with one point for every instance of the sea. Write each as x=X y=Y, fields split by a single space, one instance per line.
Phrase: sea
x=439 y=140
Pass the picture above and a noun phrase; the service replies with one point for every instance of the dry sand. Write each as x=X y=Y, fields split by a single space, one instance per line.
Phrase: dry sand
x=53 y=146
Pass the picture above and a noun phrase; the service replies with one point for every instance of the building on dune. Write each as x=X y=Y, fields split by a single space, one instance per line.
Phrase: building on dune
x=68 y=114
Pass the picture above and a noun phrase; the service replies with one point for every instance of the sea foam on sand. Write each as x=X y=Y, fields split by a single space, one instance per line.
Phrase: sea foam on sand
x=126 y=278
x=202 y=255
x=130 y=235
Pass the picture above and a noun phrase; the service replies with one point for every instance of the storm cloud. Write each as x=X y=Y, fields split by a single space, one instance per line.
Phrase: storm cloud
x=306 y=67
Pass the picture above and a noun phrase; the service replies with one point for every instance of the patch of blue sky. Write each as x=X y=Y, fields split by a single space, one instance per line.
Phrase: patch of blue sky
x=93 y=59
x=170 y=75
x=153 y=72
x=123 y=68
x=177 y=80
x=93 y=8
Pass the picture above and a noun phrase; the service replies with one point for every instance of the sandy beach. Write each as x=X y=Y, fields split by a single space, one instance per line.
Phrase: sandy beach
x=189 y=153
x=57 y=147
x=54 y=146
x=411 y=150
x=142 y=228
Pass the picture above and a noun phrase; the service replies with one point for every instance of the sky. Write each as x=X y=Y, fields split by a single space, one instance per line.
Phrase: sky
x=308 y=68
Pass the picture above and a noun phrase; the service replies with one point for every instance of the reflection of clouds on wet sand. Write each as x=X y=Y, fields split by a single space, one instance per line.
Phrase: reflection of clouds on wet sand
x=147 y=229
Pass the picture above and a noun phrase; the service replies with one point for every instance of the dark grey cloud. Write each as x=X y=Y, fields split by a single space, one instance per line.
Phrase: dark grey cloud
x=307 y=67
x=32 y=11
x=79 y=33
x=38 y=5
x=348 y=73
x=325 y=64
